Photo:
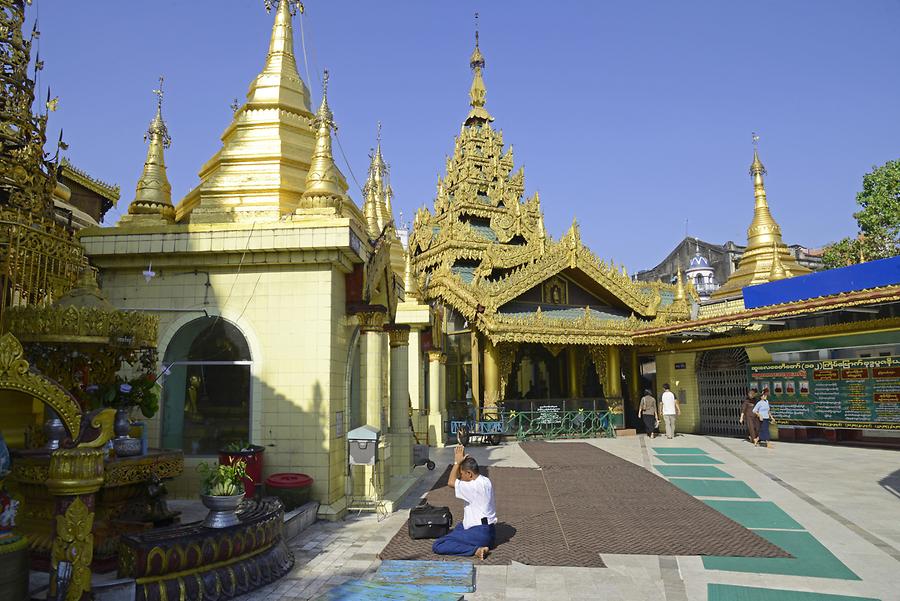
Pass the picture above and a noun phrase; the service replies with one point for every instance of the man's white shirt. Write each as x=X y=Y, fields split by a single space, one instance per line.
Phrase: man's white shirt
x=479 y=497
x=668 y=403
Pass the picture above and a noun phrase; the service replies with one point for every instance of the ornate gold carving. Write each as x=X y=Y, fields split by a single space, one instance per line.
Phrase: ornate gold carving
x=130 y=471
x=74 y=543
x=83 y=324
x=599 y=358
x=371 y=321
x=398 y=335
x=15 y=375
x=436 y=356
x=506 y=358
x=75 y=471
x=103 y=421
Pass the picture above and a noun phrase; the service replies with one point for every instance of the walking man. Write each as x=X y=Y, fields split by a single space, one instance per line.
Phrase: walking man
x=476 y=533
x=669 y=409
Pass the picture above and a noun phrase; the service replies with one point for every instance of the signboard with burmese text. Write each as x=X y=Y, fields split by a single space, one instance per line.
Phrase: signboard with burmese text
x=846 y=393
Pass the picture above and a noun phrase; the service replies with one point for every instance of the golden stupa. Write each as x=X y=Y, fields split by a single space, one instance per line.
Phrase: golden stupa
x=767 y=257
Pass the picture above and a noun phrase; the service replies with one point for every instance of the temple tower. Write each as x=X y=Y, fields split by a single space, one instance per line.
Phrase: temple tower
x=763 y=243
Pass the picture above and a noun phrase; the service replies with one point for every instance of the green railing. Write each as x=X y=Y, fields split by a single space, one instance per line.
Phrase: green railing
x=560 y=424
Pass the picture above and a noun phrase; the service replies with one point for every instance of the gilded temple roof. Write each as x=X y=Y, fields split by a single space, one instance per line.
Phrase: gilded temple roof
x=483 y=250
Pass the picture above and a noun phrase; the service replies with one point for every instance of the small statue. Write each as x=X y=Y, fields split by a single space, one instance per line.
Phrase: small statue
x=193 y=390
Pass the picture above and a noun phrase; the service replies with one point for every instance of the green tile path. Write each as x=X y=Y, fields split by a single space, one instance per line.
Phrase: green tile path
x=691 y=471
x=728 y=592
x=756 y=514
x=810 y=558
x=679 y=451
x=715 y=488
x=701 y=459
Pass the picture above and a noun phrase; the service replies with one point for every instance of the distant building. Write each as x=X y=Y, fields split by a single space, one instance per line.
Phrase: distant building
x=721 y=259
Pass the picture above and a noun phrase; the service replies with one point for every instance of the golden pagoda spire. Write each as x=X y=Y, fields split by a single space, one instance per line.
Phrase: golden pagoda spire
x=153 y=196
x=765 y=250
x=280 y=82
x=374 y=206
x=763 y=229
x=323 y=177
x=679 y=287
x=777 y=271
x=478 y=91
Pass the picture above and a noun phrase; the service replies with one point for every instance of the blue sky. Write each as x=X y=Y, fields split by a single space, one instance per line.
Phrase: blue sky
x=631 y=116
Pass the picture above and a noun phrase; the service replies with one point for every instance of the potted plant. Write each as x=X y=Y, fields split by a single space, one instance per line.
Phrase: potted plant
x=251 y=455
x=223 y=491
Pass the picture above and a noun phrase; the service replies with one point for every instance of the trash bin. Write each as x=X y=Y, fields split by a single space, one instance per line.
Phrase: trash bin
x=363 y=443
x=292 y=489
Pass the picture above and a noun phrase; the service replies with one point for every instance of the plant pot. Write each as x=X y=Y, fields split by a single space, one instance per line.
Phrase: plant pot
x=253 y=457
x=221 y=510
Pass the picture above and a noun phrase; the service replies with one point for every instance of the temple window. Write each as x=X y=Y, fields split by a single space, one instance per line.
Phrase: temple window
x=207 y=387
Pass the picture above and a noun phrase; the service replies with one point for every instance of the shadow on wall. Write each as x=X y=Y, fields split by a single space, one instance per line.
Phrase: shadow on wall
x=208 y=402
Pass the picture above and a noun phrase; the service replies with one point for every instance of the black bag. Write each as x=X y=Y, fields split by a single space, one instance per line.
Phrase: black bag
x=427 y=521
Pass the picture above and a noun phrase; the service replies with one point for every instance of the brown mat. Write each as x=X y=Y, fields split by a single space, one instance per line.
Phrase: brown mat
x=528 y=531
x=583 y=502
x=611 y=505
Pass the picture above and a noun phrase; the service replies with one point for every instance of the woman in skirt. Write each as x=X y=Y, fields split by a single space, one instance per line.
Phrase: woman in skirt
x=761 y=411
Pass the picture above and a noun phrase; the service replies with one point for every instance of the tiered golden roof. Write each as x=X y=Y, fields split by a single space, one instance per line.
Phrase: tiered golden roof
x=483 y=248
x=764 y=244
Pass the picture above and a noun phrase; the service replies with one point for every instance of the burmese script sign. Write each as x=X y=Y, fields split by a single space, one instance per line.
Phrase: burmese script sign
x=852 y=393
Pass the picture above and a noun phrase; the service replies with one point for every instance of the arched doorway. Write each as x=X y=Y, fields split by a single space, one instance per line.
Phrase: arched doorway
x=207 y=387
x=722 y=379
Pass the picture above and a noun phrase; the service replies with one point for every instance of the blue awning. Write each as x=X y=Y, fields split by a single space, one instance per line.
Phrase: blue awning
x=873 y=274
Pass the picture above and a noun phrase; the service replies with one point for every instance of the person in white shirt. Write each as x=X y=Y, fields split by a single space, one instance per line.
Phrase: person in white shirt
x=669 y=409
x=476 y=534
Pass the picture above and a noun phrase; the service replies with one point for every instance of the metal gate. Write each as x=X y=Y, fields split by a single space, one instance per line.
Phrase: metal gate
x=722 y=378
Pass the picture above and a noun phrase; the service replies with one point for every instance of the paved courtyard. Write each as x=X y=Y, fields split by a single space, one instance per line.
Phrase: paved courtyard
x=835 y=509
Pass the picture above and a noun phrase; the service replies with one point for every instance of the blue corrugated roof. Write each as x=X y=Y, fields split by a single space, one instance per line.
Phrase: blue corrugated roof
x=873 y=274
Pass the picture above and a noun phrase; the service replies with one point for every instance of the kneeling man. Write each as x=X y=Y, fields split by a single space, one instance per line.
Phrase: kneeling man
x=475 y=534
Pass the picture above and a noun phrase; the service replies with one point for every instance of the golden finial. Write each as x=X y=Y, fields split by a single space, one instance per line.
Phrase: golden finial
x=159 y=94
x=777 y=271
x=478 y=91
x=294 y=6
x=679 y=287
